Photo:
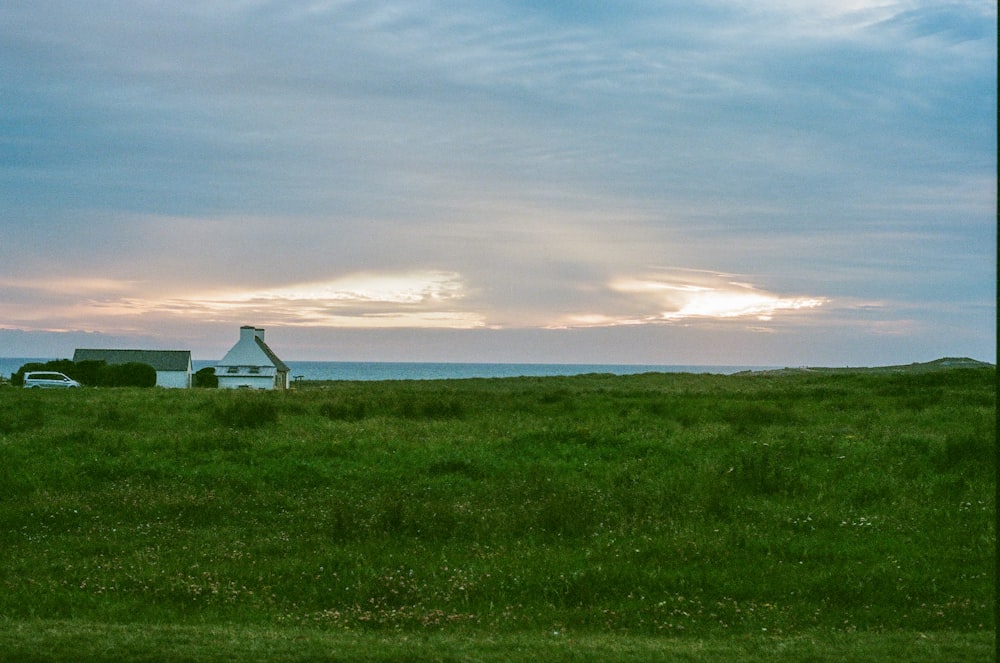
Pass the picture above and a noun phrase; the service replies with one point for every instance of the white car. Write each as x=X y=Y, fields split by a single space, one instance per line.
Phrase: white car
x=48 y=380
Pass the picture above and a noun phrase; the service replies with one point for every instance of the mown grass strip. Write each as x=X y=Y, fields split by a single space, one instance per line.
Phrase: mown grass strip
x=83 y=641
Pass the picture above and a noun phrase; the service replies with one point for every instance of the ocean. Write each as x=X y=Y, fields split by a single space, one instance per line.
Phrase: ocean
x=363 y=370
x=350 y=370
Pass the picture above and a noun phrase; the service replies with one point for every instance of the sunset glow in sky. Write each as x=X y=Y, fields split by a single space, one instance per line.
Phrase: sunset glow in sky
x=718 y=182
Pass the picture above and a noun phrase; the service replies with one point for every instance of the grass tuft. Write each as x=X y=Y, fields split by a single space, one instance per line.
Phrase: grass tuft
x=246 y=411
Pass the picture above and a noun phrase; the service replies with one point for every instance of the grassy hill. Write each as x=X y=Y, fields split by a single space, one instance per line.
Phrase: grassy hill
x=942 y=364
x=830 y=515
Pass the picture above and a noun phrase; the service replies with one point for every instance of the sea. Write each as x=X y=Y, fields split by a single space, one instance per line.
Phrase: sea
x=376 y=370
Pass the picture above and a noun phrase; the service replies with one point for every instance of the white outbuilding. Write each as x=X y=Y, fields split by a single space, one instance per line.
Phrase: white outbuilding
x=173 y=367
x=251 y=364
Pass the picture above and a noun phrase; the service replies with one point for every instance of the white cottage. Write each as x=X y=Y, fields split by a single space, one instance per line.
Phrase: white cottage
x=250 y=364
x=173 y=367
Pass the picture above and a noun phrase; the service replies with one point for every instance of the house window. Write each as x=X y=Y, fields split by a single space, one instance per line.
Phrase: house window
x=254 y=370
x=233 y=369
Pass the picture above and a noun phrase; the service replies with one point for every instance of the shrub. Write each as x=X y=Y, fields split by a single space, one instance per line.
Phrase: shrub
x=17 y=378
x=132 y=374
x=87 y=372
x=64 y=366
x=84 y=372
x=206 y=378
x=94 y=373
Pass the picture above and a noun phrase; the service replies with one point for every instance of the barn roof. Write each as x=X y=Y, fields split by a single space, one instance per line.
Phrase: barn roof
x=161 y=360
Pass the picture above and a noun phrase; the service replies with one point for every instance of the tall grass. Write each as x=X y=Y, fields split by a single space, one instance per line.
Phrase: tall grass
x=686 y=505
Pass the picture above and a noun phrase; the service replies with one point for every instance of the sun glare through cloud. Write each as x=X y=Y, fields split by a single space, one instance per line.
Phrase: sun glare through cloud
x=711 y=296
x=734 y=304
x=690 y=296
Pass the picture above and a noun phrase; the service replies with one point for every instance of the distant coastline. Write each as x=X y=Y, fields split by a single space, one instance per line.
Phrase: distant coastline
x=363 y=371
x=347 y=370
x=374 y=370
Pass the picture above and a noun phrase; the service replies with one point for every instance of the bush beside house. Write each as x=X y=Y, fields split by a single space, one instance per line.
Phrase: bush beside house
x=206 y=378
x=94 y=373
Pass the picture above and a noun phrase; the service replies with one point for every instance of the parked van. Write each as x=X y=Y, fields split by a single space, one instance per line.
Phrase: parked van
x=48 y=380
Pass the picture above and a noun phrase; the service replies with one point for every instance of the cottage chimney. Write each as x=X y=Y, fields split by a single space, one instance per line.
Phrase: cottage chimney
x=247 y=333
x=259 y=333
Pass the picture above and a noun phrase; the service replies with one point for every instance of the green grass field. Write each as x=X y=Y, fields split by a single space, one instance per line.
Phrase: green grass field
x=837 y=516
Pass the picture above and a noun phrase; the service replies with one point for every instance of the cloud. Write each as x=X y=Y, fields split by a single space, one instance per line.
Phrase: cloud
x=419 y=300
x=81 y=286
x=405 y=288
x=948 y=23
x=669 y=296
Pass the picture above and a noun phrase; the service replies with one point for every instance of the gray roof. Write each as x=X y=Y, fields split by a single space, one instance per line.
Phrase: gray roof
x=161 y=360
x=280 y=365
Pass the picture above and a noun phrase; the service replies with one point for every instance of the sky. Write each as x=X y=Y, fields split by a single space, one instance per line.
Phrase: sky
x=767 y=183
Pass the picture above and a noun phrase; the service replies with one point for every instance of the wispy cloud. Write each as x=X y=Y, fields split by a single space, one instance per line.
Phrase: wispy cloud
x=419 y=300
x=74 y=286
x=415 y=288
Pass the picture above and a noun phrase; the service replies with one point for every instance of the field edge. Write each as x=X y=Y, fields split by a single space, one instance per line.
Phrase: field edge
x=81 y=640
